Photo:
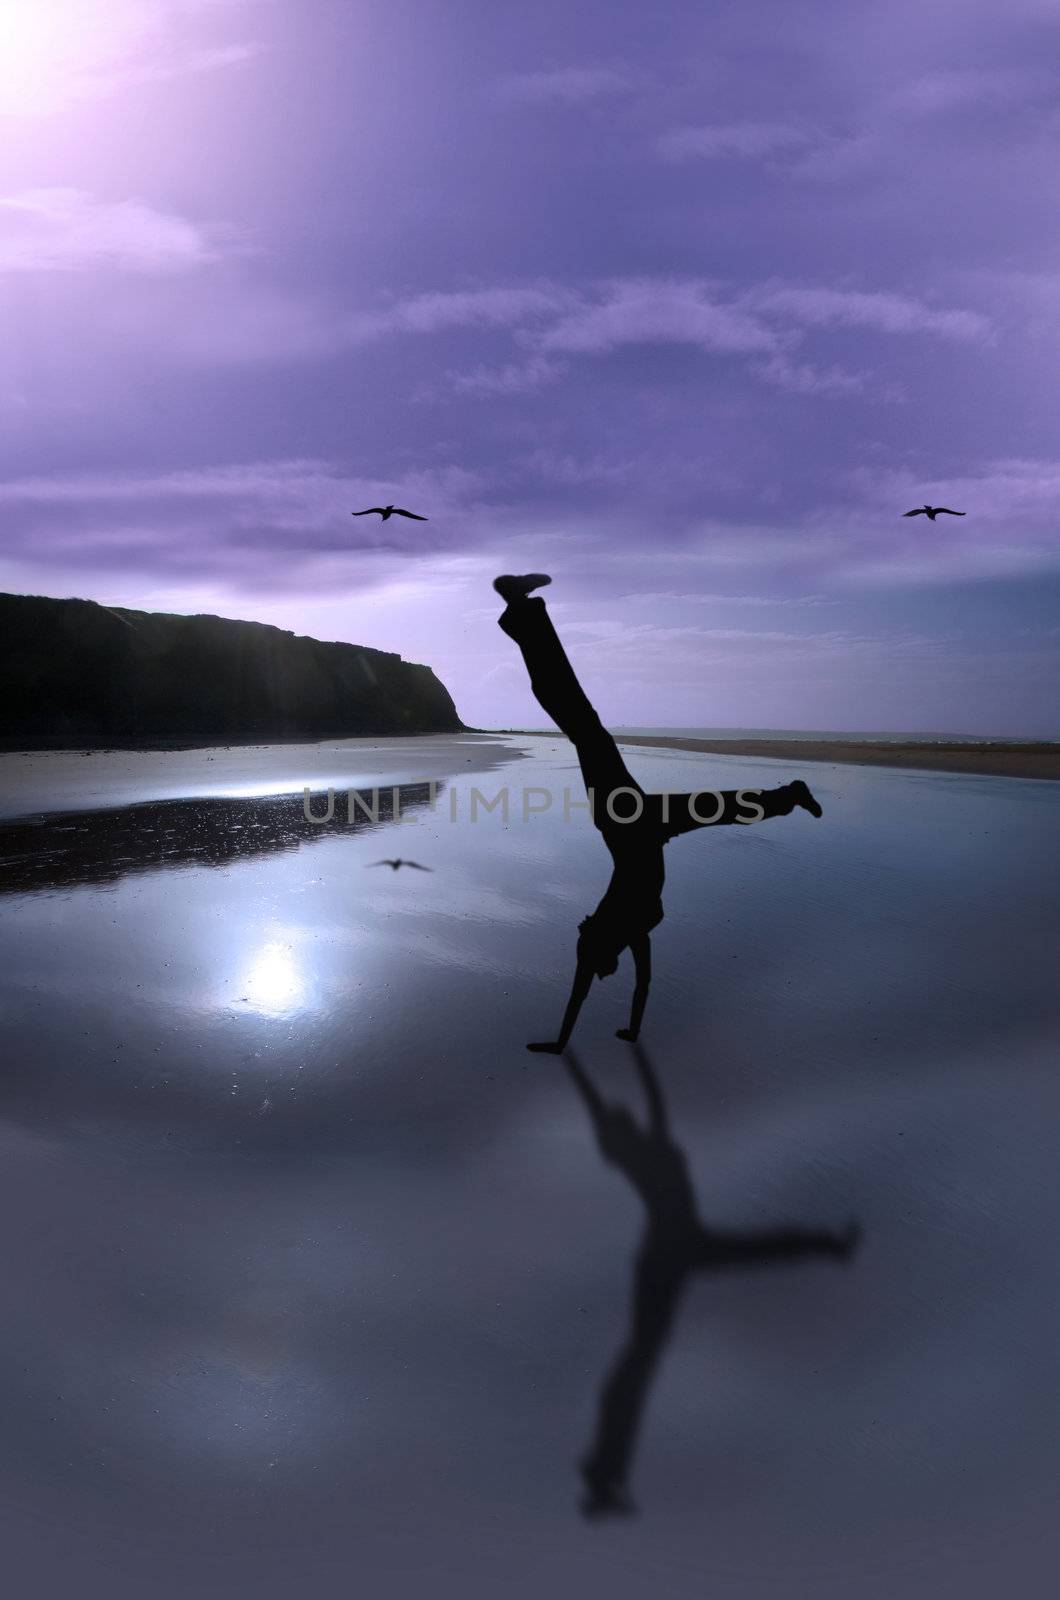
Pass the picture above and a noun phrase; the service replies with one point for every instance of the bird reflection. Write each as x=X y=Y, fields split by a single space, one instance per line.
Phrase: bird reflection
x=675 y=1245
x=63 y=849
x=395 y=862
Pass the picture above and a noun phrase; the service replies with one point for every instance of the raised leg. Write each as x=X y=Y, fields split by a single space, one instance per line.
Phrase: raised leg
x=658 y=1283
x=560 y=695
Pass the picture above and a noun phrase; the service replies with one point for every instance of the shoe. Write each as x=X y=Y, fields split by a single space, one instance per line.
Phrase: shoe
x=802 y=797
x=512 y=588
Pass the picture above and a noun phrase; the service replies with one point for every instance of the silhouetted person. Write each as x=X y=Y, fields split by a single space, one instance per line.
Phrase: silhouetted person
x=397 y=862
x=632 y=904
x=390 y=511
x=933 y=512
x=675 y=1245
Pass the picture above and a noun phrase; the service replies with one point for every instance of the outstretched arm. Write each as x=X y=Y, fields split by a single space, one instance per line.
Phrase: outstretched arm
x=659 y=1124
x=641 y=949
x=594 y=1103
x=583 y=977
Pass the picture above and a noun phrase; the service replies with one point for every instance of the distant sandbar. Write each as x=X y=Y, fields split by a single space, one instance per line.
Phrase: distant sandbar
x=997 y=760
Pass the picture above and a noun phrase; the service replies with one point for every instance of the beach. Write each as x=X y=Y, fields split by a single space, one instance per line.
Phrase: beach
x=999 y=760
x=316 y=1278
x=996 y=758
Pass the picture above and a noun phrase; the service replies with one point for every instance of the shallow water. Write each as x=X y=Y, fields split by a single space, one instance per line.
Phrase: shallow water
x=315 y=1275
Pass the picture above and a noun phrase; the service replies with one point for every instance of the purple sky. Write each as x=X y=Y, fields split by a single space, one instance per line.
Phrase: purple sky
x=685 y=303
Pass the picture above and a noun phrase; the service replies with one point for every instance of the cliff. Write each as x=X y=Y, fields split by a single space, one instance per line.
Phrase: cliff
x=76 y=673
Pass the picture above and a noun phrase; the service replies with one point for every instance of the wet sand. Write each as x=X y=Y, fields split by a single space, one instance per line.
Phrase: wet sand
x=316 y=1279
x=47 y=781
x=996 y=758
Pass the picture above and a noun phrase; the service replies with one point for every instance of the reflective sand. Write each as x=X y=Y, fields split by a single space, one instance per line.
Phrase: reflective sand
x=314 y=1275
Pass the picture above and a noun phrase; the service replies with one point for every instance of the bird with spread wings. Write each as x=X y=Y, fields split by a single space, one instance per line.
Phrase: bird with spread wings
x=390 y=511
x=932 y=512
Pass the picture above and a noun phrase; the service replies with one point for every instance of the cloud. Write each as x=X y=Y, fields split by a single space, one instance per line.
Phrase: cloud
x=195 y=61
x=1010 y=528
x=570 y=86
x=701 y=599
x=65 y=230
x=437 y=311
x=724 y=140
x=217 y=317
x=950 y=89
x=654 y=311
x=765 y=320
x=718 y=544
x=848 y=157
x=258 y=525
x=517 y=377
x=312 y=487
x=848 y=308
x=945 y=568
x=265 y=527
x=615 y=638
x=60 y=53
x=1004 y=491
x=268 y=323
x=801 y=378
x=1023 y=299
x=908 y=121
x=602 y=468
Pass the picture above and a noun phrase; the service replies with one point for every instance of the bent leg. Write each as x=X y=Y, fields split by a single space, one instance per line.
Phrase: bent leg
x=717 y=1251
x=719 y=808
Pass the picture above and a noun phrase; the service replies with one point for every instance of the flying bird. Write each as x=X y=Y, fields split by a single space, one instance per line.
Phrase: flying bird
x=397 y=862
x=390 y=511
x=932 y=512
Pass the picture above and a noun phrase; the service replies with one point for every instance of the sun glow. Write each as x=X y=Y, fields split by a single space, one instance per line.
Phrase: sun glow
x=53 y=52
x=274 y=985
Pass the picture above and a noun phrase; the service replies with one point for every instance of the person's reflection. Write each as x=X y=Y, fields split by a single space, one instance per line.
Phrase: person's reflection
x=675 y=1245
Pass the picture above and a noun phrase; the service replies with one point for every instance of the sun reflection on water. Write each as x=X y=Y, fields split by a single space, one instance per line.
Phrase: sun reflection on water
x=274 y=984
